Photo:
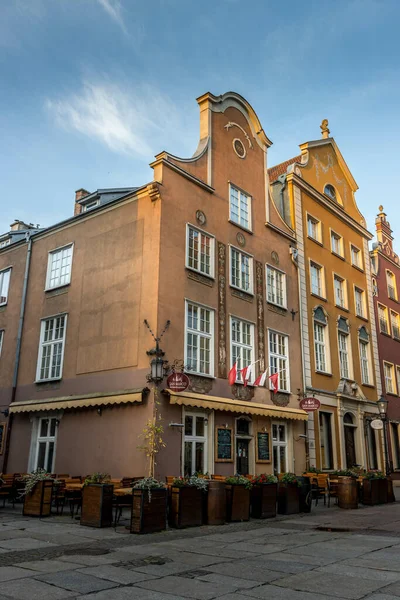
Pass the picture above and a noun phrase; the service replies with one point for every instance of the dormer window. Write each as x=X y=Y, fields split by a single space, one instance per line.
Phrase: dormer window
x=90 y=205
x=330 y=191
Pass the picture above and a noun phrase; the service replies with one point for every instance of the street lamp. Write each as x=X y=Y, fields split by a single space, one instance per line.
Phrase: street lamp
x=157 y=364
x=383 y=407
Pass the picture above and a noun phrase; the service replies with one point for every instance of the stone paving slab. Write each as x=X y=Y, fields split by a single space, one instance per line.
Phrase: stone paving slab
x=132 y=593
x=36 y=590
x=188 y=588
x=366 y=572
x=116 y=574
x=388 y=563
x=381 y=597
x=76 y=582
x=10 y=573
x=239 y=584
x=24 y=544
x=351 y=588
x=254 y=571
x=272 y=592
x=48 y=566
x=89 y=561
x=393 y=589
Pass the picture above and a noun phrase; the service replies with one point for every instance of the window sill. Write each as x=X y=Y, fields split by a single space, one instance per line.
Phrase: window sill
x=316 y=241
x=188 y=373
x=326 y=373
x=317 y=296
x=364 y=319
x=192 y=270
x=385 y=334
x=396 y=339
x=368 y=385
x=240 y=226
x=277 y=305
x=392 y=394
x=338 y=255
x=3 y=304
x=342 y=308
x=57 y=287
x=39 y=381
x=241 y=293
x=357 y=267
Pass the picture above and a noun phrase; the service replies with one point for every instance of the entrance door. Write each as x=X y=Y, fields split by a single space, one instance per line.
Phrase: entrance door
x=349 y=440
x=242 y=456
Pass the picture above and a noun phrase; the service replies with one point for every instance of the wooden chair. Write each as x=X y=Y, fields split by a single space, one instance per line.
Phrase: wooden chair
x=323 y=488
x=63 y=476
x=332 y=490
x=170 y=479
x=8 y=489
x=59 y=494
x=127 y=482
x=218 y=477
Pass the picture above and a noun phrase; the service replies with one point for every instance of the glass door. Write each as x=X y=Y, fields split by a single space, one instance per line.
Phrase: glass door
x=195 y=444
x=279 y=447
x=46 y=441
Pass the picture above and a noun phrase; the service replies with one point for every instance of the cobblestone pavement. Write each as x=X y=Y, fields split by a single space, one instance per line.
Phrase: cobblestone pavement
x=330 y=553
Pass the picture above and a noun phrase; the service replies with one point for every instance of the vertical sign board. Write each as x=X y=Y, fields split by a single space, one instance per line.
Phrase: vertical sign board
x=223 y=444
x=263 y=448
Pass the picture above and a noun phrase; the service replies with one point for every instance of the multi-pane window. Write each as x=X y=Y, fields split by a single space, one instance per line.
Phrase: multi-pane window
x=316 y=279
x=195 y=444
x=46 y=444
x=241 y=271
x=359 y=302
x=1 y=339
x=319 y=340
x=383 y=319
x=336 y=243
x=90 y=205
x=279 y=448
x=51 y=348
x=200 y=251
x=391 y=285
x=364 y=361
x=395 y=325
x=356 y=256
x=340 y=291
x=388 y=371
x=59 y=267
x=4 y=285
x=313 y=228
x=199 y=339
x=279 y=358
x=276 y=286
x=343 y=355
x=240 y=208
x=242 y=344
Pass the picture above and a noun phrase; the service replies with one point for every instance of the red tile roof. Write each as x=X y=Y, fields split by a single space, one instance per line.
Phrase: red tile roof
x=275 y=172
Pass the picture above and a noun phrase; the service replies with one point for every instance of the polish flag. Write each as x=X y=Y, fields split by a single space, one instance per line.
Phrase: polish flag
x=260 y=381
x=274 y=379
x=232 y=375
x=246 y=374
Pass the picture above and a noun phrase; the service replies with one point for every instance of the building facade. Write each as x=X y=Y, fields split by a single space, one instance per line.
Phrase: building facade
x=386 y=285
x=315 y=192
x=202 y=247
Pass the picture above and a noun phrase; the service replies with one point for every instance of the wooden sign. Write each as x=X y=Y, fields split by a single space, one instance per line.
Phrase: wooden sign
x=223 y=444
x=178 y=382
x=2 y=436
x=263 y=447
x=310 y=404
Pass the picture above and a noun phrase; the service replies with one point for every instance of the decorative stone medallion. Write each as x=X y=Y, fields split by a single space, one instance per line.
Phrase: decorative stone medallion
x=239 y=148
x=200 y=385
x=275 y=257
x=280 y=399
x=243 y=393
x=201 y=217
x=241 y=240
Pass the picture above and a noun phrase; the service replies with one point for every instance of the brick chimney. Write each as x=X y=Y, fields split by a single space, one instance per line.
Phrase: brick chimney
x=79 y=194
x=20 y=226
x=383 y=230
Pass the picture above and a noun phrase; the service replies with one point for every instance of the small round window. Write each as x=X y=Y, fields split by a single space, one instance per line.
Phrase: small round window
x=239 y=148
x=330 y=191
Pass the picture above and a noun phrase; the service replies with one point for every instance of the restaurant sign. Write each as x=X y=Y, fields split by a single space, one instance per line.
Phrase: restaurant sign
x=376 y=424
x=310 y=404
x=178 y=382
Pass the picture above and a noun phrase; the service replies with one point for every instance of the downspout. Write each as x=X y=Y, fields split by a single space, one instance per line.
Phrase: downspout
x=18 y=347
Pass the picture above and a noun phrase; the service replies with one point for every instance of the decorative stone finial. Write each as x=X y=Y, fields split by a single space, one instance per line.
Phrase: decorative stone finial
x=324 y=128
x=380 y=208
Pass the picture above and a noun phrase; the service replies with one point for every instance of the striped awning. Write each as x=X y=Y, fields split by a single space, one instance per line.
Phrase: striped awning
x=87 y=401
x=236 y=406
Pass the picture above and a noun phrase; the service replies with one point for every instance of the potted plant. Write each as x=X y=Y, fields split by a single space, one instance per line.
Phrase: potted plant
x=237 y=490
x=288 y=495
x=187 y=495
x=37 y=493
x=97 y=497
x=374 y=489
x=149 y=506
x=264 y=491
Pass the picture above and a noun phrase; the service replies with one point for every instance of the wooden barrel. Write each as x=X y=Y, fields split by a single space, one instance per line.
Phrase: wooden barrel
x=347 y=492
x=216 y=503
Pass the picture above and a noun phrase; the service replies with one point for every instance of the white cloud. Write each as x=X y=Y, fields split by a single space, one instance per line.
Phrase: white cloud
x=128 y=121
x=113 y=8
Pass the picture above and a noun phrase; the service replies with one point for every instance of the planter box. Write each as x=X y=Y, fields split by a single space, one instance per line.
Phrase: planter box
x=383 y=491
x=186 y=509
x=305 y=498
x=97 y=505
x=288 y=498
x=38 y=503
x=347 y=492
x=263 y=500
x=391 y=497
x=370 y=491
x=216 y=503
x=149 y=516
x=237 y=503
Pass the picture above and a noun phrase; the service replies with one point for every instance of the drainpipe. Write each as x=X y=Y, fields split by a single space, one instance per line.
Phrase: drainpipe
x=18 y=347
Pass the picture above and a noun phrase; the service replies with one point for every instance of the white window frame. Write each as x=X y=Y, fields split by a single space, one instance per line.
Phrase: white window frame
x=320 y=268
x=339 y=239
x=395 y=324
x=382 y=308
x=241 y=346
x=47 y=440
x=241 y=254
x=389 y=281
x=90 y=205
x=365 y=361
x=1 y=339
x=249 y=207
x=343 y=291
x=359 y=262
x=2 y=277
x=392 y=377
x=203 y=439
x=51 y=254
x=200 y=334
x=276 y=443
x=279 y=358
x=363 y=313
x=317 y=224
x=346 y=352
x=320 y=344
x=52 y=343
x=202 y=234
x=397 y=370
x=272 y=275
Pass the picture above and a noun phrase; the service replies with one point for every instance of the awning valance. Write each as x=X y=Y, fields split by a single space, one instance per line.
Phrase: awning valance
x=87 y=401
x=236 y=406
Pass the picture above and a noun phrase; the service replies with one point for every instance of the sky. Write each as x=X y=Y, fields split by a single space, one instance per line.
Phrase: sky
x=91 y=90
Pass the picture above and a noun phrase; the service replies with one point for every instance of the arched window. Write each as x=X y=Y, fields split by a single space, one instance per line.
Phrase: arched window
x=332 y=193
x=374 y=287
x=344 y=348
x=365 y=357
x=350 y=440
x=348 y=419
x=321 y=346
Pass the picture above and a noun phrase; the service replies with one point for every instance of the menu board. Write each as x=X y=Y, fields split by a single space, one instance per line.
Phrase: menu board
x=2 y=436
x=223 y=444
x=263 y=449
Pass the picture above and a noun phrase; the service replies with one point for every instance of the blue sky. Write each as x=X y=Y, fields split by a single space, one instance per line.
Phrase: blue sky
x=90 y=90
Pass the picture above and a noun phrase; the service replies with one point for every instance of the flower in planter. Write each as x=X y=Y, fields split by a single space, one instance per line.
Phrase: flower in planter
x=374 y=475
x=239 y=480
x=193 y=481
x=31 y=479
x=344 y=473
x=290 y=478
x=263 y=478
x=148 y=483
x=97 y=478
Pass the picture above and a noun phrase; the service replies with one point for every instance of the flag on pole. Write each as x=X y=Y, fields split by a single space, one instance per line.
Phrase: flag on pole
x=246 y=374
x=260 y=381
x=232 y=374
x=274 y=379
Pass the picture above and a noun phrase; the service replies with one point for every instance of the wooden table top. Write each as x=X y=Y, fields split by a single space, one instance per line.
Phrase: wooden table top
x=123 y=491
x=73 y=486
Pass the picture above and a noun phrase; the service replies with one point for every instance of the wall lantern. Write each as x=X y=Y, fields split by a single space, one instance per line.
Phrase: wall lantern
x=158 y=365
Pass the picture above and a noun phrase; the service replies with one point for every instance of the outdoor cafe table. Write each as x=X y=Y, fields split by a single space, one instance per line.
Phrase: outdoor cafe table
x=74 y=486
x=123 y=491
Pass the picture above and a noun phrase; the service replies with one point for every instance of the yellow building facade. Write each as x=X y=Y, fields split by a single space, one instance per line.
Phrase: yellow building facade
x=315 y=193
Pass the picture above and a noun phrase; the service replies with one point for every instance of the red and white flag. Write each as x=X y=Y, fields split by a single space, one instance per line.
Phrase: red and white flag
x=232 y=375
x=260 y=381
x=274 y=379
x=246 y=374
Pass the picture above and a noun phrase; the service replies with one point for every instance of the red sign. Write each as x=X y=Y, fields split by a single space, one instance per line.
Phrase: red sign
x=310 y=404
x=178 y=382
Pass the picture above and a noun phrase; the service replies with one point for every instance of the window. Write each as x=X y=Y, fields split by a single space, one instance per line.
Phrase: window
x=320 y=340
x=388 y=371
x=330 y=191
x=45 y=450
x=391 y=285
x=5 y=243
x=314 y=228
x=359 y=301
x=242 y=344
x=4 y=285
x=200 y=251
x=199 y=339
x=59 y=267
x=394 y=427
x=240 y=208
x=355 y=256
x=241 y=271
x=195 y=444
x=398 y=377
x=325 y=436
x=1 y=339
x=395 y=325
x=90 y=205
x=383 y=319
x=343 y=345
x=317 y=287
x=374 y=287
x=276 y=287
x=279 y=448
x=371 y=447
x=336 y=243
x=279 y=359
x=340 y=291
x=364 y=361
x=51 y=348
